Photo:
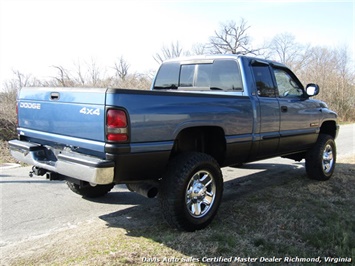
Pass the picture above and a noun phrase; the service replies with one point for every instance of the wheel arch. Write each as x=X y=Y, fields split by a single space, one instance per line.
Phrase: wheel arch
x=206 y=139
x=329 y=128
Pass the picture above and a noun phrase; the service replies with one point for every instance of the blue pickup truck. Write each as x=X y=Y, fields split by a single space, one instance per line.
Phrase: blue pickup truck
x=202 y=113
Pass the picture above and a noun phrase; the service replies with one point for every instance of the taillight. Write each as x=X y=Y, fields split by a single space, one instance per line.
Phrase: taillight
x=116 y=124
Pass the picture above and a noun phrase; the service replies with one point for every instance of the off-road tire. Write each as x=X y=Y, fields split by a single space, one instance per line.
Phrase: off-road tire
x=88 y=191
x=321 y=159
x=191 y=191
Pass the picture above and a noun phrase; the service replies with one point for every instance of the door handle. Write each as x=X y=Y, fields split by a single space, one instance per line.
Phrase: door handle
x=55 y=96
x=284 y=109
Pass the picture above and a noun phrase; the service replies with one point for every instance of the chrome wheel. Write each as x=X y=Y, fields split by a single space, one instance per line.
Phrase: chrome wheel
x=328 y=160
x=200 y=194
x=191 y=191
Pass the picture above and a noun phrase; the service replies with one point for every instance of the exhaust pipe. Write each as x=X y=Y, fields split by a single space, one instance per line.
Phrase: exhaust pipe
x=148 y=190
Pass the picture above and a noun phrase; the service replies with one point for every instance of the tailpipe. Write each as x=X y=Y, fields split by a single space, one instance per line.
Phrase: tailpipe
x=148 y=190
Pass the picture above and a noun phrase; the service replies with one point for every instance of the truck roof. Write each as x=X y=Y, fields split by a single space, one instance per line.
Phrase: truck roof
x=207 y=58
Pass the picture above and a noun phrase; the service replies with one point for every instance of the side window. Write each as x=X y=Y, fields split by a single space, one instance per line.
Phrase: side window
x=168 y=76
x=287 y=86
x=226 y=75
x=264 y=83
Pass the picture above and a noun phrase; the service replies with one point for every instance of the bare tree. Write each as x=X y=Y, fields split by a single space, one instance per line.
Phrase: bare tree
x=199 y=49
x=63 y=77
x=121 y=67
x=232 y=39
x=333 y=71
x=80 y=77
x=22 y=80
x=285 y=47
x=168 y=52
x=8 y=94
x=8 y=114
x=94 y=73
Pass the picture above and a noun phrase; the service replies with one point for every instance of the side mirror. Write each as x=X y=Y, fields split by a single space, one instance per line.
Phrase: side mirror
x=312 y=89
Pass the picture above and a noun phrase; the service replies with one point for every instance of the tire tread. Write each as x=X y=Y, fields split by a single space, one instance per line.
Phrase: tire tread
x=314 y=158
x=173 y=190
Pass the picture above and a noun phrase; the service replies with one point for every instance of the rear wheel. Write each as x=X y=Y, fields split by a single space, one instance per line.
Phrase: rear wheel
x=89 y=191
x=320 y=160
x=191 y=191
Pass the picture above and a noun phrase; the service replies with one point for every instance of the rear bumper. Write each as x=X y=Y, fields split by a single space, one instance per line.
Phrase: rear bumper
x=72 y=164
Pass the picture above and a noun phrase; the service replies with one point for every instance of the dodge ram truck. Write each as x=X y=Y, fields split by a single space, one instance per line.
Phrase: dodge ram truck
x=202 y=113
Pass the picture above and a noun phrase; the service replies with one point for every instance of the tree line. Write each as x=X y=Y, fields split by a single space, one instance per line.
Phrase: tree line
x=330 y=67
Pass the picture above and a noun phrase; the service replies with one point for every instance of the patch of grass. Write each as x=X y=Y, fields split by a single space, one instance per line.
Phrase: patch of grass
x=300 y=217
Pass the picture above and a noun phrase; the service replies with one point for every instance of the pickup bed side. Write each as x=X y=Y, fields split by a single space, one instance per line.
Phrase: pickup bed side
x=176 y=122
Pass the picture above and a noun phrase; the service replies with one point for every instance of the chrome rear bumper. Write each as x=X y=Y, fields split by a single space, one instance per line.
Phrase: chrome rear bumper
x=72 y=164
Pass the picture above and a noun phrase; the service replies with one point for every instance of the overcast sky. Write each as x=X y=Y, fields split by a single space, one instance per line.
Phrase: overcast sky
x=37 y=34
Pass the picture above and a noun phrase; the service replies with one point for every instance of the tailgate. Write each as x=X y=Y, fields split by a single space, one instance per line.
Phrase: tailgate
x=65 y=115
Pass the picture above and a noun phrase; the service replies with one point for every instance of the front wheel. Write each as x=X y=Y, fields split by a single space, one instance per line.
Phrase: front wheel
x=89 y=191
x=320 y=160
x=191 y=191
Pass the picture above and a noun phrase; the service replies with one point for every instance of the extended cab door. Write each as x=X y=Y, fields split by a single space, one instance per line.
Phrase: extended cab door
x=299 y=115
x=269 y=110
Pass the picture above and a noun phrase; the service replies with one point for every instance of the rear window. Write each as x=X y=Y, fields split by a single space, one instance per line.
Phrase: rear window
x=219 y=75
